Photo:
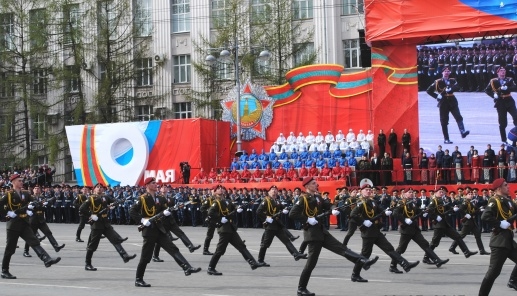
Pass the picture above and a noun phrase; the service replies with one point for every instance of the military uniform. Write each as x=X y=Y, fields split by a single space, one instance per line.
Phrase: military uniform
x=467 y=213
x=504 y=102
x=352 y=225
x=210 y=228
x=17 y=204
x=78 y=201
x=502 y=243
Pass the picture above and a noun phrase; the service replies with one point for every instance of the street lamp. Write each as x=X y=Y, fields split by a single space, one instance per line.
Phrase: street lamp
x=225 y=55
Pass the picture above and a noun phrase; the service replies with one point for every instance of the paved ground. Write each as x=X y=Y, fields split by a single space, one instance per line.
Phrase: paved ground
x=331 y=277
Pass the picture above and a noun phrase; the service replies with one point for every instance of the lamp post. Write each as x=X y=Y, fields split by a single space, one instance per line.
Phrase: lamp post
x=226 y=55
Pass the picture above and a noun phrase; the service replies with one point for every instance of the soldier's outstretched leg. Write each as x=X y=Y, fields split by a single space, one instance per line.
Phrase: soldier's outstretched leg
x=123 y=253
x=44 y=256
x=464 y=248
x=156 y=253
x=432 y=255
x=88 y=261
x=187 y=268
x=407 y=266
x=188 y=243
x=54 y=243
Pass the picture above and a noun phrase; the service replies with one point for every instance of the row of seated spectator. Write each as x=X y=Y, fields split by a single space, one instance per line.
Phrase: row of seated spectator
x=295 y=163
x=328 y=138
x=295 y=155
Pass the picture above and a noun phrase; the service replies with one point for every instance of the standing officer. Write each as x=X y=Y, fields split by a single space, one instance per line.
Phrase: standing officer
x=407 y=213
x=17 y=202
x=307 y=209
x=210 y=228
x=96 y=208
x=58 y=204
x=467 y=213
x=438 y=210
x=78 y=201
x=443 y=91
x=68 y=198
x=500 y=89
x=367 y=215
x=268 y=212
x=221 y=213
x=194 y=206
x=499 y=209
x=37 y=221
x=148 y=206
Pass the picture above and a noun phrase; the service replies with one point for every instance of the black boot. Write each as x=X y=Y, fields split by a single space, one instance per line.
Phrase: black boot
x=290 y=235
x=481 y=247
x=207 y=252
x=43 y=255
x=297 y=255
x=512 y=284
x=78 y=235
x=212 y=271
x=54 y=243
x=7 y=275
x=41 y=238
x=359 y=259
x=453 y=250
x=187 y=268
x=393 y=268
x=407 y=266
x=26 y=251
x=437 y=261
x=123 y=253
x=213 y=263
x=465 y=249
x=88 y=261
x=189 y=244
x=156 y=253
x=356 y=277
x=139 y=282
x=464 y=133
x=250 y=259
x=302 y=291
x=206 y=246
x=261 y=256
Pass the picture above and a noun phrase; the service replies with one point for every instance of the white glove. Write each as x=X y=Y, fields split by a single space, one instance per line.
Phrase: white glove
x=239 y=210
x=481 y=209
x=11 y=214
x=94 y=217
x=408 y=221
x=166 y=212
x=484 y=71
x=45 y=203
x=335 y=212
x=224 y=220
x=285 y=211
x=456 y=208
x=422 y=207
x=387 y=212
x=504 y=224
x=425 y=214
x=145 y=222
x=472 y=71
x=439 y=97
x=367 y=223
x=504 y=87
x=468 y=216
x=438 y=218
x=29 y=212
x=496 y=96
x=312 y=221
x=30 y=206
x=462 y=72
x=448 y=89
x=269 y=220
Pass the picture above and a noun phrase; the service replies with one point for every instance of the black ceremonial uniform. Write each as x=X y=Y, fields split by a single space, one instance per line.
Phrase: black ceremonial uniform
x=78 y=201
x=504 y=102
x=19 y=226
x=210 y=227
x=352 y=225
x=468 y=214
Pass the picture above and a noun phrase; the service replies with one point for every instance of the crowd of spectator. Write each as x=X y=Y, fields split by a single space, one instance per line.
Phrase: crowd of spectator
x=42 y=176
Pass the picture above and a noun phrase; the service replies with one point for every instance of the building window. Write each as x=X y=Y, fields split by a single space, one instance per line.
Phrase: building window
x=72 y=21
x=6 y=86
x=38 y=126
x=42 y=160
x=260 y=10
x=7 y=31
x=108 y=69
x=181 y=66
x=143 y=20
x=352 y=53
x=182 y=110
x=219 y=11
x=353 y=7
x=303 y=53
x=39 y=86
x=6 y=127
x=107 y=19
x=72 y=83
x=69 y=169
x=144 y=72
x=303 y=9
x=38 y=26
x=144 y=113
x=180 y=16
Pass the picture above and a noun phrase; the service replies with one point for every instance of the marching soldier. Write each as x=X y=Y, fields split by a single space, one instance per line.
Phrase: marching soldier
x=96 y=207
x=367 y=214
x=154 y=232
x=467 y=213
x=407 y=213
x=78 y=201
x=269 y=211
x=210 y=228
x=18 y=205
x=499 y=214
x=307 y=208
x=352 y=226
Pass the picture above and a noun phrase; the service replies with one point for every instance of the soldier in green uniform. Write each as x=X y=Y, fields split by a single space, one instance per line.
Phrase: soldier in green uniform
x=37 y=221
x=96 y=208
x=78 y=201
x=438 y=210
x=147 y=206
x=18 y=205
x=269 y=212
x=221 y=213
x=467 y=213
x=500 y=208
x=352 y=226
x=210 y=227
x=407 y=213
x=307 y=209
x=367 y=213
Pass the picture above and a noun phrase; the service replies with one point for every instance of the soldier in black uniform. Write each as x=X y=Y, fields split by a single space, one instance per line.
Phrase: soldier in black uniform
x=307 y=208
x=68 y=198
x=407 y=212
x=467 y=213
x=96 y=208
x=17 y=202
x=210 y=228
x=352 y=226
x=500 y=208
x=37 y=221
x=366 y=214
x=500 y=89
x=438 y=210
x=78 y=201
x=222 y=213
x=194 y=206
x=58 y=204
x=147 y=206
x=443 y=91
